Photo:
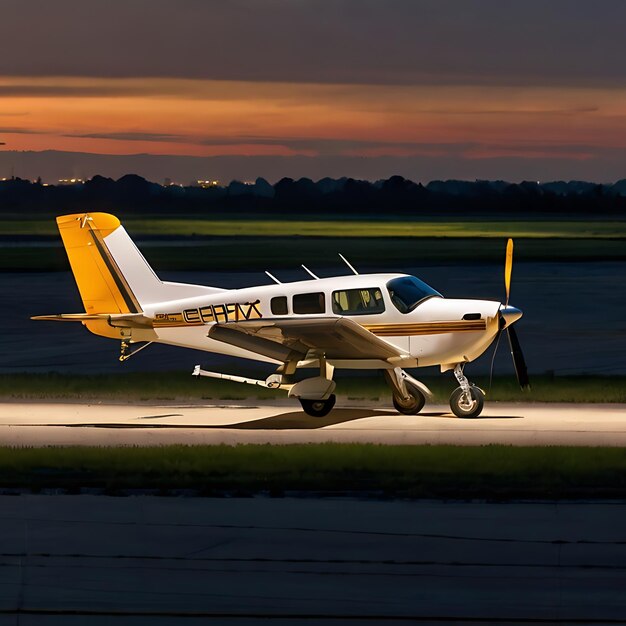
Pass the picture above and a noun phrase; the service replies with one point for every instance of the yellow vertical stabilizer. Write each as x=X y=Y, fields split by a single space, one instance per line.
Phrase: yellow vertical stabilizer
x=101 y=283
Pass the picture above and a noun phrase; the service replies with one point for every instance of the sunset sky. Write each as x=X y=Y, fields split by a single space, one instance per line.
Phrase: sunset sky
x=425 y=88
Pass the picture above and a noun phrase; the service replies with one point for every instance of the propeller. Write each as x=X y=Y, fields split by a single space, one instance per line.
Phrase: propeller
x=519 y=363
x=521 y=371
x=508 y=269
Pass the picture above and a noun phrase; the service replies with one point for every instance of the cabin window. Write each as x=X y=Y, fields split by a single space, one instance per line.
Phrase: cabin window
x=279 y=305
x=304 y=303
x=407 y=292
x=358 y=301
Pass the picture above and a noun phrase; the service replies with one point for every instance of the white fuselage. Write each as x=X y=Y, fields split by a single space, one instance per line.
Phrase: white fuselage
x=438 y=331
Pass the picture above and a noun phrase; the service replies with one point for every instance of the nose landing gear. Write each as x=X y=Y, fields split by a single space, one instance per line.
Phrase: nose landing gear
x=467 y=400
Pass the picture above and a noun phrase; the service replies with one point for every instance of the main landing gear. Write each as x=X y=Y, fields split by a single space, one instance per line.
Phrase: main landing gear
x=412 y=404
x=466 y=400
x=409 y=395
x=316 y=394
x=318 y=408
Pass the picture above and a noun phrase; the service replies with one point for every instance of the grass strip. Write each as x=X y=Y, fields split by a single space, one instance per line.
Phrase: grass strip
x=176 y=386
x=489 y=472
x=344 y=228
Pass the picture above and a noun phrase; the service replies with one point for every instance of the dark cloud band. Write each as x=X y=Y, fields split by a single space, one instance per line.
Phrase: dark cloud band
x=343 y=41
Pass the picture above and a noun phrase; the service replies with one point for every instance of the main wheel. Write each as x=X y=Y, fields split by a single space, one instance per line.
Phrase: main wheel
x=467 y=404
x=413 y=405
x=318 y=408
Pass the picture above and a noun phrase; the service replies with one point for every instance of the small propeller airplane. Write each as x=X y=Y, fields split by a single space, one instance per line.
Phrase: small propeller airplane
x=386 y=322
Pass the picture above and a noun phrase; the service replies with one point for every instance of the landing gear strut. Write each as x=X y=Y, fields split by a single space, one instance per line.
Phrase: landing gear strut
x=466 y=400
x=316 y=394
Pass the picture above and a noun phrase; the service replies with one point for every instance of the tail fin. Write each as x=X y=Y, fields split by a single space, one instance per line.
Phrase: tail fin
x=111 y=274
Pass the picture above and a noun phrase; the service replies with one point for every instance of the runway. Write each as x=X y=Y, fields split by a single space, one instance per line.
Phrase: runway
x=146 y=560
x=99 y=424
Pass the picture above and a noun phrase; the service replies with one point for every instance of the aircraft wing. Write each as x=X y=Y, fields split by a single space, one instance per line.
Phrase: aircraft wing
x=288 y=339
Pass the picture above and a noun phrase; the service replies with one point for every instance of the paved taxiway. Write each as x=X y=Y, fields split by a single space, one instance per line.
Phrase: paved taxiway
x=40 y=424
x=147 y=560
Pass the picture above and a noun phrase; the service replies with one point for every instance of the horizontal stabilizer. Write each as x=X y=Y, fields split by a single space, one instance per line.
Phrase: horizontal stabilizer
x=70 y=317
x=128 y=320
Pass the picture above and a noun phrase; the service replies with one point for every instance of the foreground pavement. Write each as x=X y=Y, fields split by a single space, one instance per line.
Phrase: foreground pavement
x=148 y=560
x=45 y=423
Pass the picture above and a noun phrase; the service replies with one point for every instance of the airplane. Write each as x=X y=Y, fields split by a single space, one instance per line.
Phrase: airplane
x=385 y=322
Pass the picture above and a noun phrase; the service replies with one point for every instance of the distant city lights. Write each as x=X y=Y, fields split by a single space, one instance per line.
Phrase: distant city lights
x=167 y=182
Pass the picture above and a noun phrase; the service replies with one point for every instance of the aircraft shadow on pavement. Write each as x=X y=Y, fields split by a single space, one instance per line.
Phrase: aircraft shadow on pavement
x=292 y=420
x=299 y=420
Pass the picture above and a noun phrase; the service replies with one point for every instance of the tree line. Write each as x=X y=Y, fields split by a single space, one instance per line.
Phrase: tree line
x=134 y=195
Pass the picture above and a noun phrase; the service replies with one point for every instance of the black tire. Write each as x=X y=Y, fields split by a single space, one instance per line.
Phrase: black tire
x=318 y=408
x=412 y=406
x=463 y=407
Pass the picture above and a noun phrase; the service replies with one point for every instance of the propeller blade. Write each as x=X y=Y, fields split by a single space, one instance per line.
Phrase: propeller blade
x=518 y=359
x=508 y=269
x=493 y=358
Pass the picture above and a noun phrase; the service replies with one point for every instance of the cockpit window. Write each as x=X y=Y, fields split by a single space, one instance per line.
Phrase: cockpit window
x=407 y=292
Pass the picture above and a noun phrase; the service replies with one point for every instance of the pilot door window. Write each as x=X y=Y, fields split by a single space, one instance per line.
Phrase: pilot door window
x=358 y=301
x=307 y=303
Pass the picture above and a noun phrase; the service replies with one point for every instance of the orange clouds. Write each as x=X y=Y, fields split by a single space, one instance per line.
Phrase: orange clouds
x=207 y=118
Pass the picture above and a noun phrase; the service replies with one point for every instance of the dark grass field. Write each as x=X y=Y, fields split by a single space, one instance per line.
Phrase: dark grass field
x=321 y=226
x=490 y=472
x=220 y=243
x=175 y=386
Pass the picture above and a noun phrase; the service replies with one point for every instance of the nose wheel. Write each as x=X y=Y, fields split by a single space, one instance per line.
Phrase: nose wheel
x=467 y=403
x=466 y=400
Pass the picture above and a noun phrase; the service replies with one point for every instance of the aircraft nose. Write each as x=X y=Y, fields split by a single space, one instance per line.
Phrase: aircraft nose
x=510 y=314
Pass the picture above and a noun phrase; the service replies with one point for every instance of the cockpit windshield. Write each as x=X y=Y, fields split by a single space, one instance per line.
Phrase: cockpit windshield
x=407 y=292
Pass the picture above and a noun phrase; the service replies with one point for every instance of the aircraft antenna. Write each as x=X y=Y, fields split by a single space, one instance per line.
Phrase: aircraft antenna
x=343 y=258
x=273 y=278
x=306 y=269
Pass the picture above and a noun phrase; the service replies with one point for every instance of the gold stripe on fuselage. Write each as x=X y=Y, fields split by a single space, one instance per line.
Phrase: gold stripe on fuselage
x=177 y=320
x=426 y=328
